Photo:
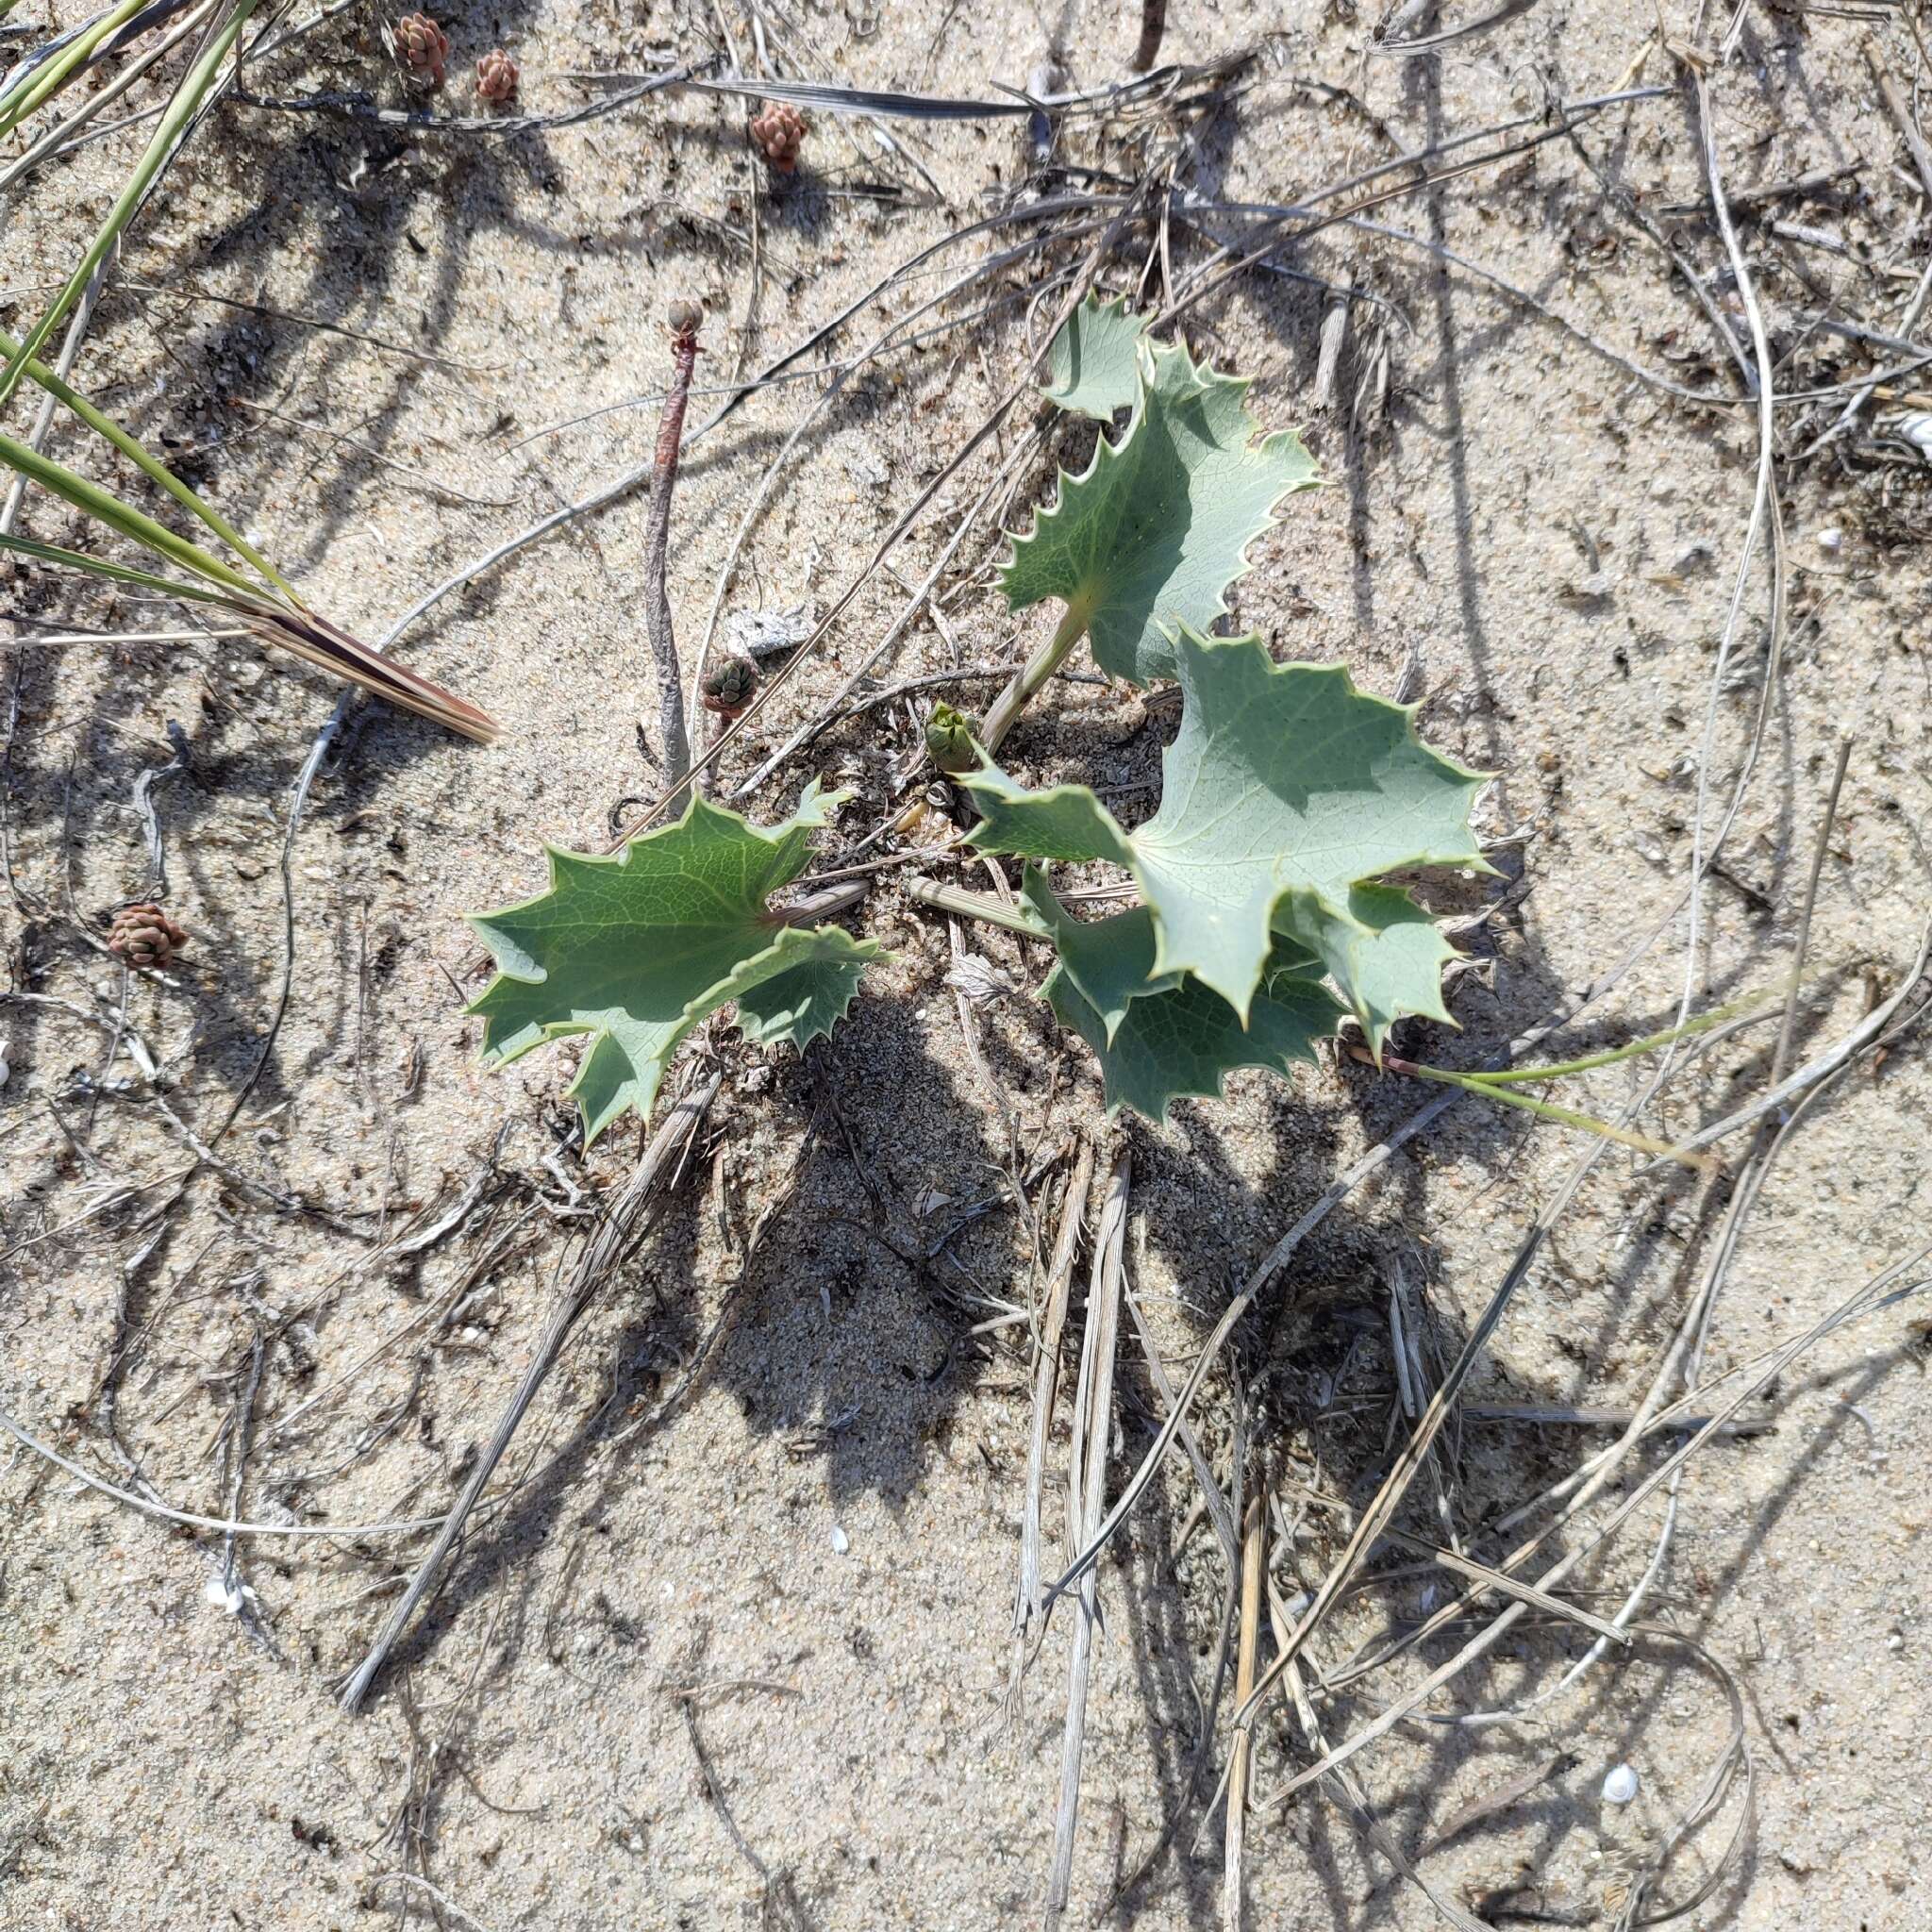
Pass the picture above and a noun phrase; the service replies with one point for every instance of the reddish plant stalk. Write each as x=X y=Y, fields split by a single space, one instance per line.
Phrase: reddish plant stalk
x=1153 y=26
x=685 y=317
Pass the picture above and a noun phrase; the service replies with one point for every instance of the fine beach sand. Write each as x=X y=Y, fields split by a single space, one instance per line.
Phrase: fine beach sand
x=757 y=1620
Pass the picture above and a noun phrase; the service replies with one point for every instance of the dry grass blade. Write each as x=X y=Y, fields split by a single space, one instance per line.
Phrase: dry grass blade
x=1709 y=1800
x=1377 y=1517
x=1085 y=1491
x=1825 y=1065
x=1272 y=1264
x=1343 y=1790
x=1046 y=1368
x=189 y=1519
x=1254 y=1569
x=1498 y=1797
x=1429 y=43
x=332 y=649
x=1866 y=1300
x=828 y=97
x=615 y=1235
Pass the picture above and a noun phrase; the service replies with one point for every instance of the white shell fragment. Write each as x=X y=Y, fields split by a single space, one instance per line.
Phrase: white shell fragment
x=231 y=1597
x=1621 y=1786
x=841 y=1541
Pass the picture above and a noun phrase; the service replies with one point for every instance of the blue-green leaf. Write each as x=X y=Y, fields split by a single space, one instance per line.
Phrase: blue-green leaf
x=636 y=948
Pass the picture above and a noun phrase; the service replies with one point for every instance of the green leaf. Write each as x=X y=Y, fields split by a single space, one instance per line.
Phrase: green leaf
x=1156 y=530
x=176 y=123
x=1285 y=789
x=152 y=467
x=1158 y=1038
x=1109 y=962
x=1185 y=1040
x=637 y=947
x=1093 y=366
x=1386 y=956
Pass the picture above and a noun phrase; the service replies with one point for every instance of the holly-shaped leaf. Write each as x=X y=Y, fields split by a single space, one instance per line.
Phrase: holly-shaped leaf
x=1156 y=530
x=1283 y=791
x=1094 y=365
x=1187 y=1040
x=636 y=948
x=1158 y=1039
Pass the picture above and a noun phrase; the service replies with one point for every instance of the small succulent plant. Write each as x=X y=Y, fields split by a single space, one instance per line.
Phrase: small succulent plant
x=729 y=687
x=496 y=77
x=780 y=132
x=145 y=936
x=421 y=49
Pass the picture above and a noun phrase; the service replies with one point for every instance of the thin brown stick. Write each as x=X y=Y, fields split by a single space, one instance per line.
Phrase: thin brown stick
x=1254 y=1567
x=1895 y=106
x=1153 y=30
x=1046 y=1368
x=614 y=1236
x=675 y=747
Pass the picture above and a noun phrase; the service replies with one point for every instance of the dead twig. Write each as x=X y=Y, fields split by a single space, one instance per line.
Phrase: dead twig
x=1254 y=1567
x=1153 y=30
x=1046 y=1368
x=614 y=1237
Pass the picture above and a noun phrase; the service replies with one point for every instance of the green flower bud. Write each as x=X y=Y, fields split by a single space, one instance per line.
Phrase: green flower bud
x=949 y=740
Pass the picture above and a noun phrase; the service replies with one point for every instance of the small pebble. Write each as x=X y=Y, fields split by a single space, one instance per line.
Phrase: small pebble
x=1621 y=1786
x=841 y=1541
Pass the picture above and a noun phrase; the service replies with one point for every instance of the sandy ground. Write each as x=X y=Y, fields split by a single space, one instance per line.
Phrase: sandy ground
x=818 y=1541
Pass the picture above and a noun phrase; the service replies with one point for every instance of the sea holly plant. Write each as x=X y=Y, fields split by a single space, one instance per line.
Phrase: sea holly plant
x=635 y=949
x=1286 y=794
x=1267 y=914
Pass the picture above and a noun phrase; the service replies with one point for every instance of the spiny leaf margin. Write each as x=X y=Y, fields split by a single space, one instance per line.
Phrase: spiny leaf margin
x=1156 y=530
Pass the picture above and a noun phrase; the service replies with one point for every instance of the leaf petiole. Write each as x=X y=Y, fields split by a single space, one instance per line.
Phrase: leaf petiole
x=1031 y=675
x=981 y=906
x=1544 y=1109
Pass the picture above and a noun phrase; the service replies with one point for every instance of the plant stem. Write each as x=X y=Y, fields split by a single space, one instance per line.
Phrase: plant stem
x=1649 y=1044
x=1544 y=1109
x=1031 y=675
x=52 y=380
x=175 y=124
x=983 y=906
x=676 y=743
x=1153 y=28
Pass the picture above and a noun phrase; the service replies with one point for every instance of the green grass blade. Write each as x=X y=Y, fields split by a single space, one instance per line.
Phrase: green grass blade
x=35 y=88
x=114 y=573
x=1548 y=1111
x=123 y=518
x=150 y=466
x=186 y=104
